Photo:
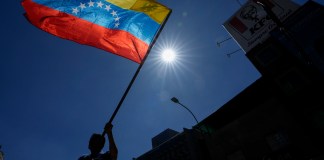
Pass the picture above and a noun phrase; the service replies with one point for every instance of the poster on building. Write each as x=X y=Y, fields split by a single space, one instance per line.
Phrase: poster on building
x=251 y=25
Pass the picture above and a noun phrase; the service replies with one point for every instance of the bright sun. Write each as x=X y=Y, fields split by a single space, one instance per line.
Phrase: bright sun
x=168 y=55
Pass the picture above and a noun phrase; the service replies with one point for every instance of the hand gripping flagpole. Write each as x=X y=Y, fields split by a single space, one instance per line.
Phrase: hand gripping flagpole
x=137 y=71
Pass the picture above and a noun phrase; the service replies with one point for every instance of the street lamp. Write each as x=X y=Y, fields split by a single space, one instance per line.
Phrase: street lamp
x=175 y=100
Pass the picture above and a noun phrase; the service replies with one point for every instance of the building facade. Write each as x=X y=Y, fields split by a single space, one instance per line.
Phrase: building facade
x=278 y=117
x=163 y=137
x=187 y=145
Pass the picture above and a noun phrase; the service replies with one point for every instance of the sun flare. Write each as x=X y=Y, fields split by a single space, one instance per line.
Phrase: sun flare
x=168 y=55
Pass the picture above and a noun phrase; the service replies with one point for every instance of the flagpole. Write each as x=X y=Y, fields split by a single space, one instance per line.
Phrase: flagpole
x=137 y=71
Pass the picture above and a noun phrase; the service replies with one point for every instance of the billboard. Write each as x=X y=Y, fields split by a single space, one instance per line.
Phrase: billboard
x=251 y=25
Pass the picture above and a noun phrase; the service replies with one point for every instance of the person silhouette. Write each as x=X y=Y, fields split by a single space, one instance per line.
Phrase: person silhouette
x=1 y=154
x=96 y=144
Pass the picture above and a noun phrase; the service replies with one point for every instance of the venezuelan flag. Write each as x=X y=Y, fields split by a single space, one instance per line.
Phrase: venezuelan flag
x=122 y=27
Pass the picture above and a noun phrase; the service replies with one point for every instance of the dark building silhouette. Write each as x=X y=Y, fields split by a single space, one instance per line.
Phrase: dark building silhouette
x=163 y=137
x=188 y=145
x=278 y=117
x=262 y=122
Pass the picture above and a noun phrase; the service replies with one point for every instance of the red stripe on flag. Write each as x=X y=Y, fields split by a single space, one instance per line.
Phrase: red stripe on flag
x=81 y=31
x=238 y=25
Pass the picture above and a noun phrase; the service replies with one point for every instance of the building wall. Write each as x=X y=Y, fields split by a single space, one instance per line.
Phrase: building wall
x=185 y=146
x=288 y=123
x=163 y=137
x=270 y=130
x=280 y=116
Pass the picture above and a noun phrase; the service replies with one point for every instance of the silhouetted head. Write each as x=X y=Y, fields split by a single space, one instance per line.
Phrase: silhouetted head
x=96 y=143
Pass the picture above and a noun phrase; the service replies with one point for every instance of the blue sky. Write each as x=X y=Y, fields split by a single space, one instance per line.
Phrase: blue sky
x=55 y=93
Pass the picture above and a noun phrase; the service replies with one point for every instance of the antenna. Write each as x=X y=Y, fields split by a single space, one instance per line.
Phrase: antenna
x=229 y=54
x=219 y=43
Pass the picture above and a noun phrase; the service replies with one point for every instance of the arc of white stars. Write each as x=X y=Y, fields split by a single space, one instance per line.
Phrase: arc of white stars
x=107 y=7
x=75 y=10
x=114 y=13
x=100 y=4
x=117 y=24
x=82 y=6
x=91 y=4
x=117 y=18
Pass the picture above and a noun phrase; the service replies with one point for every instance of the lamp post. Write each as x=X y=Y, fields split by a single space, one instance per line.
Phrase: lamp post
x=175 y=100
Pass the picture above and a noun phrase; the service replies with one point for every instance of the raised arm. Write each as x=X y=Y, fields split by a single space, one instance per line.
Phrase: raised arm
x=112 y=146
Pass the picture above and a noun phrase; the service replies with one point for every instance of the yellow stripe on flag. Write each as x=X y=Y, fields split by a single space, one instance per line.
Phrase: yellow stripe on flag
x=126 y=4
x=155 y=10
